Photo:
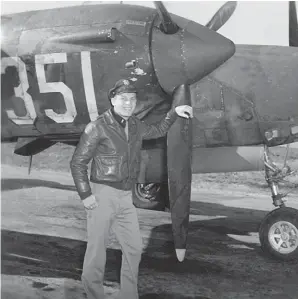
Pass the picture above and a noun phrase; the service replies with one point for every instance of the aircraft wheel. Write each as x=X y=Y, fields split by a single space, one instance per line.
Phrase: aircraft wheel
x=150 y=196
x=278 y=233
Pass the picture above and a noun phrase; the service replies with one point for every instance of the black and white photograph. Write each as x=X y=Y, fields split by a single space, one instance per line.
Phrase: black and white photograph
x=149 y=149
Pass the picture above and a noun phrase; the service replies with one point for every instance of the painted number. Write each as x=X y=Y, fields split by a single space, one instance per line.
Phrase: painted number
x=20 y=91
x=46 y=87
x=88 y=85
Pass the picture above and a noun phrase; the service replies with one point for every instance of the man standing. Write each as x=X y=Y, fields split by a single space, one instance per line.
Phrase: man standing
x=113 y=142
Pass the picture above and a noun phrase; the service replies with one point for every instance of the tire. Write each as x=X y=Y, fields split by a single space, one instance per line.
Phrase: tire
x=150 y=196
x=278 y=234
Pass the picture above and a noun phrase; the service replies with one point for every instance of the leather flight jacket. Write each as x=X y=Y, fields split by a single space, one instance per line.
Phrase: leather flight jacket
x=115 y=157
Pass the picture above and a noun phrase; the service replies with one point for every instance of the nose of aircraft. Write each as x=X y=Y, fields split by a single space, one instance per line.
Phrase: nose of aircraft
x=204 y=50
x=189 y=54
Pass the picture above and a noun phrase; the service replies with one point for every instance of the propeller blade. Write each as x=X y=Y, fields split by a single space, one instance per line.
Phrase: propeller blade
x=293 y=25
x=222 y=15
x=179 y=157
x=168 y=26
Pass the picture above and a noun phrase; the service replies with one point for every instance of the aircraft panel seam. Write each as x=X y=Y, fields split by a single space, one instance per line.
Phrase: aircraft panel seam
x=76 y=26
x=230 y=88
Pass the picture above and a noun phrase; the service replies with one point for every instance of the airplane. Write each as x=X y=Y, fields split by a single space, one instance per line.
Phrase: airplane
x=58 y=64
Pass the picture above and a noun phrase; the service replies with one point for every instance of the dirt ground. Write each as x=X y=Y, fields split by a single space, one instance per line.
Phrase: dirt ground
x=44 y=240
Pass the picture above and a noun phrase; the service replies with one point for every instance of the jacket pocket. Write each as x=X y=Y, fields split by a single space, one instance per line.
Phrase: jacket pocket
x=108 y=167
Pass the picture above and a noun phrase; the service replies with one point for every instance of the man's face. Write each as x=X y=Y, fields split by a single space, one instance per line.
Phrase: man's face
x=124 y=104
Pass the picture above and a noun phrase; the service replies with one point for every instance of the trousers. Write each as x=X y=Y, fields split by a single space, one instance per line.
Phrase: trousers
x=115 y=214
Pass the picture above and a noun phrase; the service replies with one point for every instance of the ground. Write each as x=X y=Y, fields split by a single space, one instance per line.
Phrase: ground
x=44 y=237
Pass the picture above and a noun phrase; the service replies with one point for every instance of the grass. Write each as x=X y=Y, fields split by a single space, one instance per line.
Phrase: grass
x=57 y=158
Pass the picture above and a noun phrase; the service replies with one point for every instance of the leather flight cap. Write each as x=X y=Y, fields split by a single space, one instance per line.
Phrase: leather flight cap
x=122 y=86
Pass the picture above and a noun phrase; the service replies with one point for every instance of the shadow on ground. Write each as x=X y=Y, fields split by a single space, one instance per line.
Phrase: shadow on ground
x=49 y=256
x=15 y=184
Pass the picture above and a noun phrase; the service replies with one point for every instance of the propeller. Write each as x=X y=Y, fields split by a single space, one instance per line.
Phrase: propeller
x=222 y=15
x=168 y=26
x=293 y=25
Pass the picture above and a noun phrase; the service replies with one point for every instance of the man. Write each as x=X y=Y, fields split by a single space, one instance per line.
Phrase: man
x=113 y=142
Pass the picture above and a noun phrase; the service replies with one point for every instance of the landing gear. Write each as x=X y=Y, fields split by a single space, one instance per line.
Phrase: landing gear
x=151 y=196
x=278 y=231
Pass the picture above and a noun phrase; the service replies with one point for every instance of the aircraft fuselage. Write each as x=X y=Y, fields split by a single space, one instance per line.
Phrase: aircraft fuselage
x=57 y=66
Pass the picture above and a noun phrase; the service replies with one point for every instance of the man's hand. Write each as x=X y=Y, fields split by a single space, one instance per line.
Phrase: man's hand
x=184 y=111
x=90 y=202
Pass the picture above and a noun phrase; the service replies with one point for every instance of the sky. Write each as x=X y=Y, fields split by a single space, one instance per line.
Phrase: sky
x=254 y=22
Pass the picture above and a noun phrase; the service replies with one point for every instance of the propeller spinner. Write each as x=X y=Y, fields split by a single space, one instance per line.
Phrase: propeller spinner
x=183 y=51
